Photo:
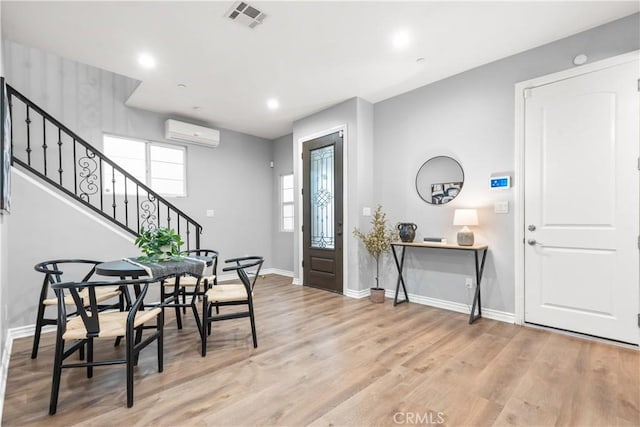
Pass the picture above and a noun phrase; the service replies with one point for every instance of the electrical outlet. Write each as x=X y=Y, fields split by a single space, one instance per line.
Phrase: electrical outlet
x=468 y=282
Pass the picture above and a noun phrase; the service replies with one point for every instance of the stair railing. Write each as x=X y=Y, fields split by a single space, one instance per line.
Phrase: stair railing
x=52 y=152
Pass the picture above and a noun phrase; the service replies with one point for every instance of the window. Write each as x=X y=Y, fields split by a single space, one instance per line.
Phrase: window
x=286 y=203
x=160 y=166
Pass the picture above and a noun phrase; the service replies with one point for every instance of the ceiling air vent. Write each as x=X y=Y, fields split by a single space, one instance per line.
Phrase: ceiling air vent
x=245 y=14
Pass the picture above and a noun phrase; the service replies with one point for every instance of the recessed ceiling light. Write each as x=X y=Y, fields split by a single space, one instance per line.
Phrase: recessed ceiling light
x=197 y=108
x=273 y=104
x=182 y=85
x=580 y=59
x=147 y=61
x=400 y=39
x=420 y=60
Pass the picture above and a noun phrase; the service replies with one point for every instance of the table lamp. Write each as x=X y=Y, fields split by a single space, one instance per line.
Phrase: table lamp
x=465 y=217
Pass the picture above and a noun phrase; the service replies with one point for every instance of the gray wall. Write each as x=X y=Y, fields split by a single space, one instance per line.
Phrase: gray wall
x=234 y=179
x=357 y=115
x=4 y=253
x=470 y=117
x=282 y=244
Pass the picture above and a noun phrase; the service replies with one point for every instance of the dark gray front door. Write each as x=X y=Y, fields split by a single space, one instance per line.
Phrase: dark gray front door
x=322 y=199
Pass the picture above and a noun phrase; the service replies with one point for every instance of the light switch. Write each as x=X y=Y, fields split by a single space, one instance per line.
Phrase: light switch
x=211 y=213
x=501 y=207
x=366 y=211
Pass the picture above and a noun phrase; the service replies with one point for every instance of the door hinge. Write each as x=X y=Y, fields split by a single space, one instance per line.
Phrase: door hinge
x=639 y=163
x=302 y=156
x=638 y=85
x=638 y=242
x=302 y=228
x=638 y=320
x=302 y=191
x=302 y=263
x=341 y=134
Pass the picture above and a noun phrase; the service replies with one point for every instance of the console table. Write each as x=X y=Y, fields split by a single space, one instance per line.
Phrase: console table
x=479 y=265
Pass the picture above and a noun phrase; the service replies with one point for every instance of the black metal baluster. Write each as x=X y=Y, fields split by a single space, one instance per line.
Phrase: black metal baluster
x=178 y=220
x=168 y=217
x=138 y=206
x=188 y=246
x=126 y=203
x=44 y=143
x=60 y=154
x=28 y=122
x=113 y=187
x=198 y=232
x=158 y=211
x=75 y=171
x=101 y=185
x=11 y=121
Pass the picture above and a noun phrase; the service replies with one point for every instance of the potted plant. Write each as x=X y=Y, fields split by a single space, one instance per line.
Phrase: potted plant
x=377 y=241
x=159 y=244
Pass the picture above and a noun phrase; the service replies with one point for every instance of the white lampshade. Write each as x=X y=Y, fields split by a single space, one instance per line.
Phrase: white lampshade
x=465 y=217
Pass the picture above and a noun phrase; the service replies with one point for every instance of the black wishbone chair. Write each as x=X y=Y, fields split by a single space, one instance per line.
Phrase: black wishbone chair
x=172 y=289
x=90 y=323
x=232 y=294
x=53 y=273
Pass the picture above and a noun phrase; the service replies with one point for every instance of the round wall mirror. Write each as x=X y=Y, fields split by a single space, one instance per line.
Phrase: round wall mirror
x=439 y=180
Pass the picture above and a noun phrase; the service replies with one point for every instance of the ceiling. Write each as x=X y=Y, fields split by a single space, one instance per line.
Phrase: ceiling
x=308 y=55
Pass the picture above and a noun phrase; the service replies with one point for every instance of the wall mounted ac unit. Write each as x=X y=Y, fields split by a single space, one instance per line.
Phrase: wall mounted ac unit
x=175 y=130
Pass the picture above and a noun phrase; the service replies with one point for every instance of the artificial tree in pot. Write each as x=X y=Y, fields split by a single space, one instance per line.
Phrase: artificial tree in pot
x=377 y=241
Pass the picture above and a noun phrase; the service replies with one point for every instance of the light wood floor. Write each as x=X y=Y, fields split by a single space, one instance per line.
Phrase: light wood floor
x=327 y=360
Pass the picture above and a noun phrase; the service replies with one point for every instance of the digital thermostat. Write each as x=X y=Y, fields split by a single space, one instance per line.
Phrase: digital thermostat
x=500 y=182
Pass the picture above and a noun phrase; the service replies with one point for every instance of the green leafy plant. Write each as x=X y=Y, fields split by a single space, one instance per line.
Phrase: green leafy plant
x=159 y=244
x=378 y=239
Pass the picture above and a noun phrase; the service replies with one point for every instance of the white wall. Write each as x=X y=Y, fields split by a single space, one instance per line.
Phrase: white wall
x=4 y=221
x=234 y=179
x=469 y=116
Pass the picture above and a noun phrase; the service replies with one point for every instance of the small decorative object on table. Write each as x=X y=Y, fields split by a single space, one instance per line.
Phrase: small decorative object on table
x=377 y=241
x=465 y=217
x=435 y=240
x=159 y=244
x=407 y=231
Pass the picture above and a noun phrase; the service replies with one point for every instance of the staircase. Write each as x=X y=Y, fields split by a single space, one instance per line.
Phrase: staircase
x=49 y=150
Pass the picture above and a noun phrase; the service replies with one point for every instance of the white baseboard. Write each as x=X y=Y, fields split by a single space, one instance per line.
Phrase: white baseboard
x=297 y=281
x=487 y=313
x=277 y=271
x=352 y=293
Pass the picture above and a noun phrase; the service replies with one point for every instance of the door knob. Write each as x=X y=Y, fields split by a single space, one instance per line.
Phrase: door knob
x=531 y=227
x=532 y=242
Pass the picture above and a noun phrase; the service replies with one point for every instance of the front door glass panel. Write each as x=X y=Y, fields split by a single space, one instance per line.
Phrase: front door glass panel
x=322 y=197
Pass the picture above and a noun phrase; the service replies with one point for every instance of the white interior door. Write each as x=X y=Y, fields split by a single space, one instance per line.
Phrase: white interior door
x=582 y=199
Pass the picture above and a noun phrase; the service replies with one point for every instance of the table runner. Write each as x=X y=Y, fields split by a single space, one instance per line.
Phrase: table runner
x=187 y=265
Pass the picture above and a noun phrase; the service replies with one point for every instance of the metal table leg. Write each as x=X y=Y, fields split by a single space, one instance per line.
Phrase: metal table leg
x=399 y=265
x=476 y=298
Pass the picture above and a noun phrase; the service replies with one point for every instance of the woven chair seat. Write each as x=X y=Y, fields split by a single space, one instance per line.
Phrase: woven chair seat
x=102 y=294
x=227 y=293
x=112 y=324
x=188 y=281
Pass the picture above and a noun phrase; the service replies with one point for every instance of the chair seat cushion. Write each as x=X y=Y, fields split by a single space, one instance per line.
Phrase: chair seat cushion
x=112 y=324
x=187 y=281
x=102 y=294
x=226 y=293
